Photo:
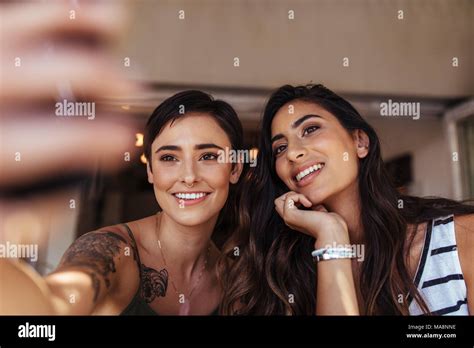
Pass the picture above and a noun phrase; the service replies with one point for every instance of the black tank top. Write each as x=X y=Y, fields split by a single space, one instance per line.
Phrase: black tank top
x=138 y=306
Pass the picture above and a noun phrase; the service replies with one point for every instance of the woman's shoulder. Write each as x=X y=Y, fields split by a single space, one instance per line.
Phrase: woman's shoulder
x=129 y=231
x=109 y=243
x=103 y=236
x=465 y=222
x=464 y=231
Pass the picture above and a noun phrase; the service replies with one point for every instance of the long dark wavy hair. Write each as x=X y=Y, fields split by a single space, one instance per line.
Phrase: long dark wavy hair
x=275 y=261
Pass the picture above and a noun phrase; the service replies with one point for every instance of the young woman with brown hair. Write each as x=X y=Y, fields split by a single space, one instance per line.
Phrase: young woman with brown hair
x=320 y=183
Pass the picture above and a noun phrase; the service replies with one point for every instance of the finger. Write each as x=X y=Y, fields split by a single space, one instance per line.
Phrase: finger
x=305 y=201
x=43 y=79
x=48 y=19
x=290 y=211
x=49 y=49
x=321 y=208
x=294 y=217
x=75 y=146
x=280 y=202
x=283 y=196
x=297 y=198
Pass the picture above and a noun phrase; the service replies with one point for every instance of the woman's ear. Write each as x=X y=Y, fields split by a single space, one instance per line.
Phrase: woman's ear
x=236 y=172
x=362 y=143
x=149 y=172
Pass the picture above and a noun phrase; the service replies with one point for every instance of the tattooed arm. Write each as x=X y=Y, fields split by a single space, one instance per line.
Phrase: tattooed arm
x=89 y=270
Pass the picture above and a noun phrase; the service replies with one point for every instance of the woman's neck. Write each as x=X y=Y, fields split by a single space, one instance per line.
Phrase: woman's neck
x=347 y=205
x=184 y=247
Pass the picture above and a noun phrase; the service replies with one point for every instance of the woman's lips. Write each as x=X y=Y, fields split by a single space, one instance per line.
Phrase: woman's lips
x=182 y=201
x=308 y=179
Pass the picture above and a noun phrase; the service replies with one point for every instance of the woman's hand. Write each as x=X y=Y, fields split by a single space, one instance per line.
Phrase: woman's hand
x=335 y=292
x=324 y=226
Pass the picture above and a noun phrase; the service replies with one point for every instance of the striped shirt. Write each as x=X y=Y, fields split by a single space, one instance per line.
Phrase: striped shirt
x=439 y=277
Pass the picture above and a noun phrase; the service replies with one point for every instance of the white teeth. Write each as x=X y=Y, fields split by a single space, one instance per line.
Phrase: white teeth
x=190 y=196
x=309 y=170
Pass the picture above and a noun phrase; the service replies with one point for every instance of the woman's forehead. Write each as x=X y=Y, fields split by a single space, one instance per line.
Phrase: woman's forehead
x=294 y=110
x=195 y=127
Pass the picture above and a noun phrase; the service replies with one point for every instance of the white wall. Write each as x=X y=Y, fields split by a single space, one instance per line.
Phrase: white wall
x=426 y=140
x=388 y=56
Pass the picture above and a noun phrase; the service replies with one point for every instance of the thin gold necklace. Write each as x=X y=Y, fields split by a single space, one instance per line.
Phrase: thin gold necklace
x=166 y=265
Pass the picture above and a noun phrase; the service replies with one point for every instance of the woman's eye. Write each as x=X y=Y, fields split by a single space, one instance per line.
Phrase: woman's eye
x=167 y=158
x=209 y=157
x=310 y=129
x=279 y=150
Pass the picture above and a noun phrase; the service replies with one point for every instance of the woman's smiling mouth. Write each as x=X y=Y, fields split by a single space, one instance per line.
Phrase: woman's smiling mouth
x=305 y=175
x=190 y=198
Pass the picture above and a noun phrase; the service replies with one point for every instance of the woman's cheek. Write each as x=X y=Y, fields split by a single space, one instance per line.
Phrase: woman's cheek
x=221 y=177
x=164 y=177
x=347 y=169
x=217 y=176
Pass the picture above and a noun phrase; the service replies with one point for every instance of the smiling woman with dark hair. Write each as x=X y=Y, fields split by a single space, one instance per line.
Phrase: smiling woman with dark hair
x=165 y=263
x=320 y=172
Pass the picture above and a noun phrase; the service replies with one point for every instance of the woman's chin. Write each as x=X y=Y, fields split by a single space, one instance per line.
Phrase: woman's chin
x=316 y=198
x=191 y=218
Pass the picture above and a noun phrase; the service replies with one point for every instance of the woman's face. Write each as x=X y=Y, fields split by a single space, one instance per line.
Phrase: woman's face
x=190 y=184
x=314 y=154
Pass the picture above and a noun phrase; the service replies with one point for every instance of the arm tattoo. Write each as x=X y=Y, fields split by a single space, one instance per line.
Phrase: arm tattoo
x=154 y=283
x=94 y=251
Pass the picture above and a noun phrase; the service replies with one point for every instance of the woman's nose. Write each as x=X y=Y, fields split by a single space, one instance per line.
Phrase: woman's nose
x=189 y=175
x=295 y=153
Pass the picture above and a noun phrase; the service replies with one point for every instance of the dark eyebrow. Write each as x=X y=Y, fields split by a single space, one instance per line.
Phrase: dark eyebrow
x=207 y=146
x=168 y=147
x=277 y=137
x=302 y=119
x=294 y=125
x=197 y=147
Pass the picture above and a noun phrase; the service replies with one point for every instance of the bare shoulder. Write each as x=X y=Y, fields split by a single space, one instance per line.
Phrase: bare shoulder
x=104 y=244
x=107 y=240
x=464 y=229
x=137 y=227
x=464 y=223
